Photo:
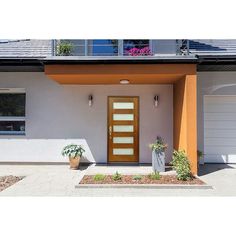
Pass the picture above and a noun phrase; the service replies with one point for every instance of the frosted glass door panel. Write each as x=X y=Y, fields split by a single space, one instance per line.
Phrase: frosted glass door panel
x=123 y=105
x=123 y=116
x=123 y=128
x=123 y=151
x=123 y=140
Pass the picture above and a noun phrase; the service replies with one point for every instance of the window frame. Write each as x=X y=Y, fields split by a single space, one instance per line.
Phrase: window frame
x=13 y=118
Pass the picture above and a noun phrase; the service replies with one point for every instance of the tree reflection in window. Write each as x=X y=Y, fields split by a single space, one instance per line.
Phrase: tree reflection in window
x=12 y=104
x=104 y=47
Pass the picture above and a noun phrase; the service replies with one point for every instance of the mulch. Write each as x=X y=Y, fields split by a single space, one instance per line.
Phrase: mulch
x=7 y=181
x=128 y=179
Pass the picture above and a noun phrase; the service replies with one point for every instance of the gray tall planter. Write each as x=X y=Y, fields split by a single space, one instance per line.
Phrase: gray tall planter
x=158 y=161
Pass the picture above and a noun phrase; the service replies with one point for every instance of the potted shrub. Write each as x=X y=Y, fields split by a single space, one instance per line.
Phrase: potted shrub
x=200 y=156
x=74 y=152
x=158 y=155
x=64 y=48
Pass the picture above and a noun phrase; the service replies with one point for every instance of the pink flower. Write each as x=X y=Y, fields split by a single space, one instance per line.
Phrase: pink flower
x=139 y=52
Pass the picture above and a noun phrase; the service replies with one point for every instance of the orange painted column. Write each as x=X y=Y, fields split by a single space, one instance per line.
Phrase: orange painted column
x=185 y=118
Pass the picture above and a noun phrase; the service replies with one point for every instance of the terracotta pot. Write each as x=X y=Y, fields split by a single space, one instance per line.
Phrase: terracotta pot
x=74 y=162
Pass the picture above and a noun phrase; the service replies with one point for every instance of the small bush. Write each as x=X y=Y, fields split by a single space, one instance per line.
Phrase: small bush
x=64 y=48
x=99 y=177
x=181 y=165
x=137 y=177
x=116 y=176
x=159 y=145
x=154 y=176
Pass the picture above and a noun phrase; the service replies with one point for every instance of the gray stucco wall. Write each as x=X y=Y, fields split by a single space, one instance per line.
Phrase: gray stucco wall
x=58 y=112
x=212 y=83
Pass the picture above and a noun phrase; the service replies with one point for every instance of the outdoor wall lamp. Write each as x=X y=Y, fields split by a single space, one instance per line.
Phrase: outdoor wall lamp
x=90 y=98
x=156 y=100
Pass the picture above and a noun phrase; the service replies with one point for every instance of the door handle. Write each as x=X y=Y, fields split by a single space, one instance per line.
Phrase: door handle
x=110 y=131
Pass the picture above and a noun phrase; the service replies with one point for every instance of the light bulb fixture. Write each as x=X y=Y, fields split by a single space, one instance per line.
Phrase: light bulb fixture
x=90 y=98
x=156 y=100
x=124 y=81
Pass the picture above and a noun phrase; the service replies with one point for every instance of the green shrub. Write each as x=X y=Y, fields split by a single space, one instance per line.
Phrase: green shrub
x=99 y=177
x=181 y=165
x=137 y=177
x=159 y=145
x=73 y=150
x=116 y=176
x=154 y=176
x=64 y=48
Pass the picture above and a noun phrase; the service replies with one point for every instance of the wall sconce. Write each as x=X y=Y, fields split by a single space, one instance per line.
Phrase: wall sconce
x=90 y=98
x=156 y=100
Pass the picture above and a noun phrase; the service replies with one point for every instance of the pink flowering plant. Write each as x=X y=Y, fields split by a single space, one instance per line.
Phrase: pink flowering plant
x=146 y=51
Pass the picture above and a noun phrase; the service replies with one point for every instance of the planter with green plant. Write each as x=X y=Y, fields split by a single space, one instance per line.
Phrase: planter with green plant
x=158 y=155
x=74 y=152
x=200 y=156
x=64 y=48
x=181 y=165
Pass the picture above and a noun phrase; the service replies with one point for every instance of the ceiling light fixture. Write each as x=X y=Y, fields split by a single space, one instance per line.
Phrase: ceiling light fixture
x=124 y=81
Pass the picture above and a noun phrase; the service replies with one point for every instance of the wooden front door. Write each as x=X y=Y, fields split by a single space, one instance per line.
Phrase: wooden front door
x=123 y=129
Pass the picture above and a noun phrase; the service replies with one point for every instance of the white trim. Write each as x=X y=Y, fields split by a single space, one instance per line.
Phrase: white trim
x=12 y=90
x=12 y=132
x=12 y=118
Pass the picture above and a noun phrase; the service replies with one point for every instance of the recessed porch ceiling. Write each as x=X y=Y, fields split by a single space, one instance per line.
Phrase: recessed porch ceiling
x=112 y=74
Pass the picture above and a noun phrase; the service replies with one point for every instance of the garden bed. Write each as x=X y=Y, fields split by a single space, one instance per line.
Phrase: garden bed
x=7 y=181
x=145 y=179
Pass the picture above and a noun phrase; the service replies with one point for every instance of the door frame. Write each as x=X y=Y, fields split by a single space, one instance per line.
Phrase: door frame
x=138 y=126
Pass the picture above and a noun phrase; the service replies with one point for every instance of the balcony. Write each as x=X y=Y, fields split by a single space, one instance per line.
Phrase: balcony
x=129 y=48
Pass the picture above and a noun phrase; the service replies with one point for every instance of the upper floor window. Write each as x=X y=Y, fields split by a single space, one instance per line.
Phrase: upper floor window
x=136 y=47
x=103 y=47
x=12 y=111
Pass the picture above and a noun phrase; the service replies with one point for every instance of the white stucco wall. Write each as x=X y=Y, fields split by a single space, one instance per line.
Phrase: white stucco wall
x=55 y=113
x=212 y=83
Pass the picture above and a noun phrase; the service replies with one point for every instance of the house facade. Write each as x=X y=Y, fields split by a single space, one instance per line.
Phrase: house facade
x=115 y=97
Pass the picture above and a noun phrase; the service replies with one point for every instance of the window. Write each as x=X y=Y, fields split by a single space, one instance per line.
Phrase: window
x=12 y=111
x=136 y=47
x=103 y=47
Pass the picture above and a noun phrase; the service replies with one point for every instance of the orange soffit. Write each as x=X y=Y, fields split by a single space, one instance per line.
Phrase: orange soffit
x=113 y=74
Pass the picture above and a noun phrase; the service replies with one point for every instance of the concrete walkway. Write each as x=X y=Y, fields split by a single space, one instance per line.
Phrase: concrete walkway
x=59 y=180
x=42 y=180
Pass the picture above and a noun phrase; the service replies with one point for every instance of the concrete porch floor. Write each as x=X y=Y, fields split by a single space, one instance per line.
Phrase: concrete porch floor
x=59 y=180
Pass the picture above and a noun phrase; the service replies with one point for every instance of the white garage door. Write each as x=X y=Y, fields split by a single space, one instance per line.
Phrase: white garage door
x=220 y=129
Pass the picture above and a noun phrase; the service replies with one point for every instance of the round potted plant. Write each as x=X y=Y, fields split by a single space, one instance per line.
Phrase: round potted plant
x=74 y=152
x=158 y=155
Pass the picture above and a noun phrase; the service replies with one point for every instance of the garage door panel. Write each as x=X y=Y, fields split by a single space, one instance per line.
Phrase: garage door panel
x=219 y=116
x=216 y=149
x=227 y=142
x=220 y=108
x=220 y=129
x=220 y=133
x=220 y=124
x=221 y=99
x=221 y=158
